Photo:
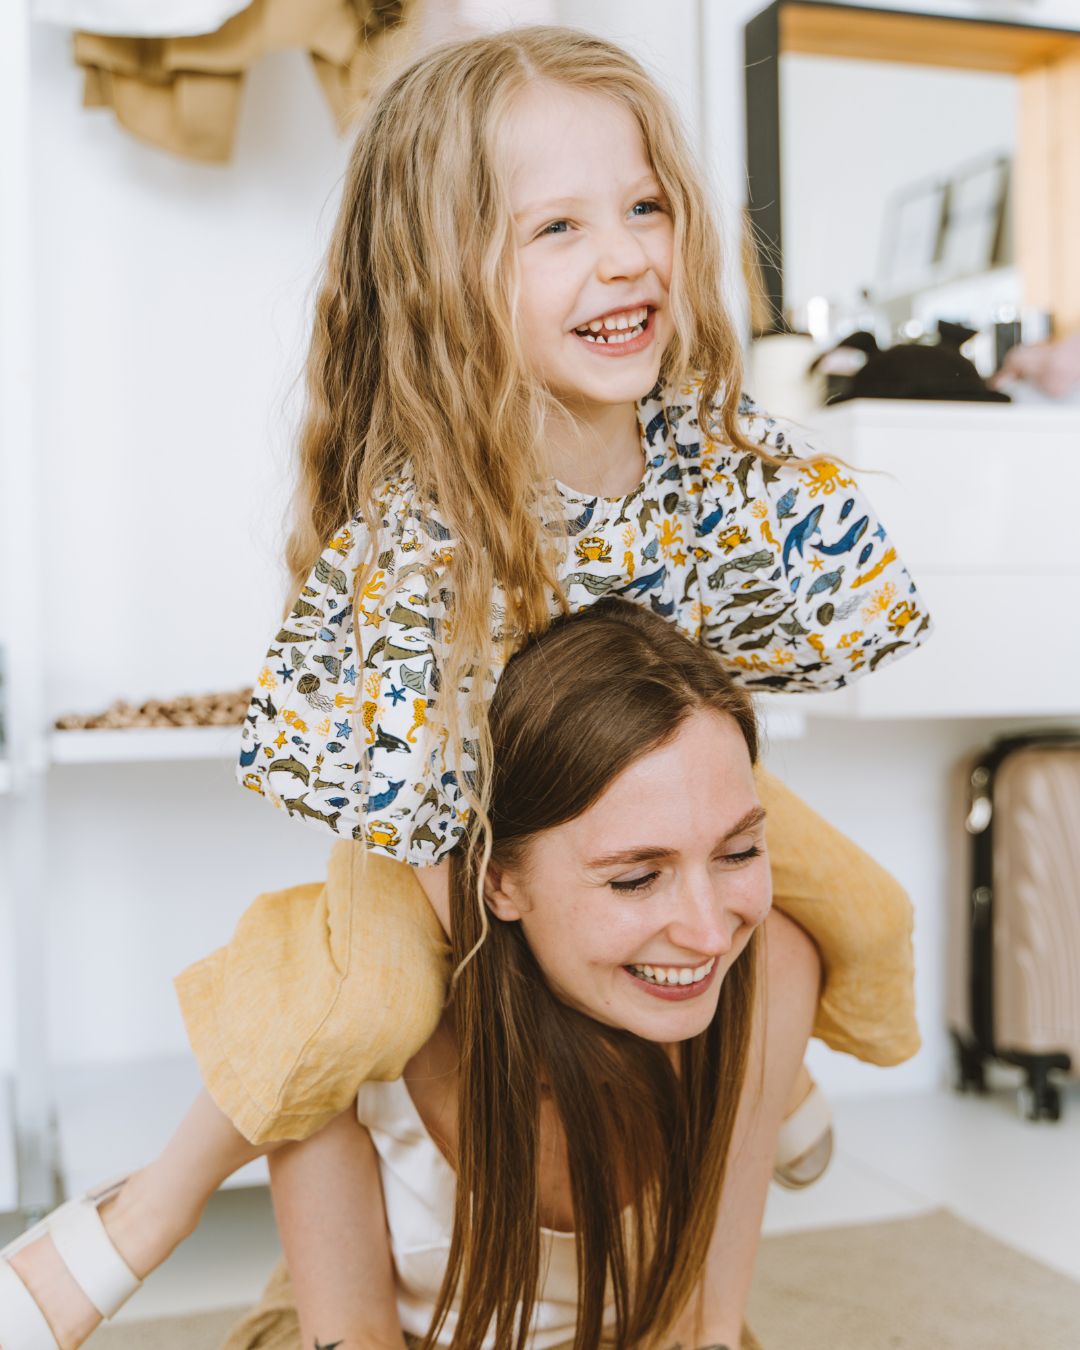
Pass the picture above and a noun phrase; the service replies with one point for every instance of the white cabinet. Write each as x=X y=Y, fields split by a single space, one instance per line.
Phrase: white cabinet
x=982 y=503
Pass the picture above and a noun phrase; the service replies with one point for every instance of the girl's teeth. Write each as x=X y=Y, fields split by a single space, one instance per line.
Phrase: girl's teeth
x=618 y=328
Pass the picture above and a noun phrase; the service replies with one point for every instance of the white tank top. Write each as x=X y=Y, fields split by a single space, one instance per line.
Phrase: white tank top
x=419 y=1188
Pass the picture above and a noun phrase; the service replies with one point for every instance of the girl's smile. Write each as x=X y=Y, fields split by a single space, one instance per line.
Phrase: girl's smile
x=622 y=333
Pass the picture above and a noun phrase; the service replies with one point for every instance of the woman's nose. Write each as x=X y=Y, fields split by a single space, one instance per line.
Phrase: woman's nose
x=702 y=922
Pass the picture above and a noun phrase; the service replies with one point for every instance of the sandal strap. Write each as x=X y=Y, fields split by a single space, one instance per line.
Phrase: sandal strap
x=87 y=1250
x=803 y=1128
x=22 y=1323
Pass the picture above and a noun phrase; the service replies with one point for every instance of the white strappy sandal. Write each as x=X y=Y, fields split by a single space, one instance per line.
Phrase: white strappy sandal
x=805 y=1143
x=86 y=1249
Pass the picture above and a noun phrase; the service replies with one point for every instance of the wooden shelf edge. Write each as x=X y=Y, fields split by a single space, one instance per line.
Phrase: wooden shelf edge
x=144 y=745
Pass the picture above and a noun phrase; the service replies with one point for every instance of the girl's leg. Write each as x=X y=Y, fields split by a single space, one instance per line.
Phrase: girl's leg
x=860 y=919
x=151 y=1214
x=792 y=975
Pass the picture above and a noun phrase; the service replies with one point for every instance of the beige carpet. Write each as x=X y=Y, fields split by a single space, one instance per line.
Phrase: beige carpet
x=928 y=1283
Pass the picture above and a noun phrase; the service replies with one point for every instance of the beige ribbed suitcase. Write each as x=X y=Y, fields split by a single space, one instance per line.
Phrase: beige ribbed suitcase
x=1016 y=985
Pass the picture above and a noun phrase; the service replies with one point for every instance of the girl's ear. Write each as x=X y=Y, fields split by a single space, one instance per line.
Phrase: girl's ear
x=501 y=893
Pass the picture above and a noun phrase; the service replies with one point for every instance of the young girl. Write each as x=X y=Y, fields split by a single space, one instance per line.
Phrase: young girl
x=618 y=857
x=524 y=395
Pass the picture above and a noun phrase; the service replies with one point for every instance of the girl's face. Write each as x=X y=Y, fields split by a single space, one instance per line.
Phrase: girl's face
x=595 y=244
x=636 y=910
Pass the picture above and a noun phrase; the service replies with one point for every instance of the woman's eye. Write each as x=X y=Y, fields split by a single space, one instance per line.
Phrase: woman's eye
x=634 y=883
x=553 y=227
x=746 y=855
x=650 y=205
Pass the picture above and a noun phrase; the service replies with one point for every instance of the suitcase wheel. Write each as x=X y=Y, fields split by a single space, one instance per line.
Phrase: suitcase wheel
x=1040 y=1100
x=970 y=1065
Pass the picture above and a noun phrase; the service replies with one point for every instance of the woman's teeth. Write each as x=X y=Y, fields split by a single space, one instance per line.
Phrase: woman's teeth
x=618 y=328
x=673 y=974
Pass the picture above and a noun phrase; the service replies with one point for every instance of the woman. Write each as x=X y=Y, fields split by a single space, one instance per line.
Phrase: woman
x=552 y=1170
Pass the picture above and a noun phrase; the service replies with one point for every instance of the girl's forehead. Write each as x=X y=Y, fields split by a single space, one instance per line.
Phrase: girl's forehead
x=555 y=135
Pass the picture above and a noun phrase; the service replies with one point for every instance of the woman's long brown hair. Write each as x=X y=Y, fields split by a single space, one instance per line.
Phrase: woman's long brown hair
x=575 y=708
x=415 y=361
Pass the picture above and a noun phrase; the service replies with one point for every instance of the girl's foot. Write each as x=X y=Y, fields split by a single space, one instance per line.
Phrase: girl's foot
x=132 y=1215
x=805 y=1145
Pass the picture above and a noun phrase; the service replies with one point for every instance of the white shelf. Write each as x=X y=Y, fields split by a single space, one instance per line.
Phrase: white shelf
x=144 y=745
x=9 y=1184
x=113 y=1117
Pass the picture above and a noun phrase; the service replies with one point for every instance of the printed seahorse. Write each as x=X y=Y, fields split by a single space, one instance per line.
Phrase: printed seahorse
x=368 y=711
x=419 y=718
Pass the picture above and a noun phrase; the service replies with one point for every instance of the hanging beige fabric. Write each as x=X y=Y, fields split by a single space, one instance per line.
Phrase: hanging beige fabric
x=183 y=94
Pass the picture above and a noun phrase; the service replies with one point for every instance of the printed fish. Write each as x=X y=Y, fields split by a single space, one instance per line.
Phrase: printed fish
x=408 y=618
x=330 y=575
x=332 y=664
x=297 y=806
x=883 y=652
x=383 y=799
x=753 y=623
x=424 y=834
x=385 y=741
x=391 y=651
x=247 y=757
x=647 y=581
x=709 y=523
x=848 y=541
x=745 y=562
x=292 y=766
x=786 y=505
x=750 y=597
x=845 y=510
x=799 y=536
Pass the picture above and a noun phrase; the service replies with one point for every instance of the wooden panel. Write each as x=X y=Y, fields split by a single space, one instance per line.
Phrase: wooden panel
x=1047 y=194
x=1033 y=190
x=920 y=39
x=1066 y=310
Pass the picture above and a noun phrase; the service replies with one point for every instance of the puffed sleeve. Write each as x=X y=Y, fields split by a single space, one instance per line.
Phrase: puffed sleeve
x=801 y=587
x=337 y=731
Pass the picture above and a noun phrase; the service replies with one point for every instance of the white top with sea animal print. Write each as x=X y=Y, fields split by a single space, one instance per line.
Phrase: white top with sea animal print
x=784 y=570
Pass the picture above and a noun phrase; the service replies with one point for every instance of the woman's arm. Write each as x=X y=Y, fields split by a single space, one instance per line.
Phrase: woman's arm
x=332 y=1220
x=782 y=1024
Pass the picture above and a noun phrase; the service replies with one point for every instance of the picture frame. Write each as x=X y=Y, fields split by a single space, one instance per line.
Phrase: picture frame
x=976 y=202
x=913 y=237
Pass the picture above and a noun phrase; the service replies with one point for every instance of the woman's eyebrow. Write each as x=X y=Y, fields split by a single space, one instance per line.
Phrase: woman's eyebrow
x=564 y=203
x=651 y=852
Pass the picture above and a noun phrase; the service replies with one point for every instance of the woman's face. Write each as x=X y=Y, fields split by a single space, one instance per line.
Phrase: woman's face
x=636 y=910
x=595 y=243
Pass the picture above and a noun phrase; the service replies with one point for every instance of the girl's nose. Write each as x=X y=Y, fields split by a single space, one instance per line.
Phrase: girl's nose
x=621 y=255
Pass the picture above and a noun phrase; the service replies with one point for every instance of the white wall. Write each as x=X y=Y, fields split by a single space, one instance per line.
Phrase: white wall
x=172 y=303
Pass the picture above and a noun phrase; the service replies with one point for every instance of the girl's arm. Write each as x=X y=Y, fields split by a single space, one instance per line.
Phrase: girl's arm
x=332 y=1220
x=435 y=882
x=781 y=1030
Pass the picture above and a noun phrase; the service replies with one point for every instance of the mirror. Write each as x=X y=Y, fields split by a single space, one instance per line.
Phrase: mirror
x=904 y=167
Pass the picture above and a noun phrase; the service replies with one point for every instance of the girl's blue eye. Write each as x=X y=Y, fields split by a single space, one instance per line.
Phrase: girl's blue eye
x=561 y=226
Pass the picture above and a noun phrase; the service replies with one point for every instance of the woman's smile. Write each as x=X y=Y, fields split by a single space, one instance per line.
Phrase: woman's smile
x=673 y=984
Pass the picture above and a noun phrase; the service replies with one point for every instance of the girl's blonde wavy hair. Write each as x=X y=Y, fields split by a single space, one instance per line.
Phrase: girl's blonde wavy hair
x=415 y=364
